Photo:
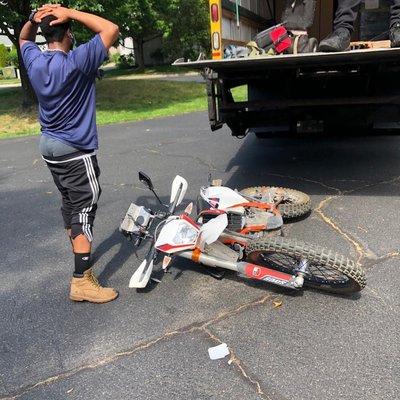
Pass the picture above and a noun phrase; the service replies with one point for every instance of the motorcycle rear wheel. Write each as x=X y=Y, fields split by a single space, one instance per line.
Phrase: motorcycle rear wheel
x=295 y=204
x=327 y=270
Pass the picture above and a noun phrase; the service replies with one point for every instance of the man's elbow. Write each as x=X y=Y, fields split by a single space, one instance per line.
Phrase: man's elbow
x=115 y=32
x=21 y=42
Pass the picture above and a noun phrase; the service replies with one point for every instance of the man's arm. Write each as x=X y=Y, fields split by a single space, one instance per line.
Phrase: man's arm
x=28 y=33
x=29 y=30
x=107 y=30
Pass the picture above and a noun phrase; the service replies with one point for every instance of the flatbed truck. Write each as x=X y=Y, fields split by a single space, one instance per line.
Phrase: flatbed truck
x=351 y=89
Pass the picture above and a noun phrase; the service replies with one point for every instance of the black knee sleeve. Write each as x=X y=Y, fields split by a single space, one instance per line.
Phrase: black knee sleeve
x=82 y=264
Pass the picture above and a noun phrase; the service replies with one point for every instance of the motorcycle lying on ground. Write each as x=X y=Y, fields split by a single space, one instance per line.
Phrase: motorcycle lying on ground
x=256 y=210
x=279 y=261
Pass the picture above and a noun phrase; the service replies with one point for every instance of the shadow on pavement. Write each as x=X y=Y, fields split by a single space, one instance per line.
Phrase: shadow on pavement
x=316 y=164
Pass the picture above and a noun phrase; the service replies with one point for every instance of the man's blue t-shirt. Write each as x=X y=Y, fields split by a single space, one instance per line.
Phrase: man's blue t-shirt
x=65 y=86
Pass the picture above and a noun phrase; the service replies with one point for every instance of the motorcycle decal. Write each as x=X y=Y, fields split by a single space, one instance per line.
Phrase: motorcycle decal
x=214 y=202
x=266 y=274
x=233 y=241
x=261 y=206
x=169 y=248
x=191 y=222
x=221 y=197
x=253 y=228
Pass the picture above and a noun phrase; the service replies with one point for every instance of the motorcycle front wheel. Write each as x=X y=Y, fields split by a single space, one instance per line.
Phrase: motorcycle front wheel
x=326 y=271
x=294 y=204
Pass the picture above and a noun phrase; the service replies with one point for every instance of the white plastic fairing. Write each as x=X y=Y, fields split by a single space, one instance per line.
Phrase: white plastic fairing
x=221 y=197
x=141 y=276
x=212 y=230
x=175 y=187
x=177 y=235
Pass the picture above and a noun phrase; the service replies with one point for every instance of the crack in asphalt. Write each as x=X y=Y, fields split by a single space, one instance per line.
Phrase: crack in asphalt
x=300 y=178
x=376 y=295
x=195 y=327
x=238 y=363
x=205 y=163
x=362 y=252
x=155 y=151
x=373 y=263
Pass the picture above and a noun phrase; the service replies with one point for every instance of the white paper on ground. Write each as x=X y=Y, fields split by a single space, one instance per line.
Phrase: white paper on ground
x=218 y=352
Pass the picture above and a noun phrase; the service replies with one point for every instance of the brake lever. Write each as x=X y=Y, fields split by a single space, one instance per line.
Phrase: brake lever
x=138 y=241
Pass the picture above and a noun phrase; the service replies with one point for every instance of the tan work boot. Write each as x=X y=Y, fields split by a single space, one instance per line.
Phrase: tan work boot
x=88 y=288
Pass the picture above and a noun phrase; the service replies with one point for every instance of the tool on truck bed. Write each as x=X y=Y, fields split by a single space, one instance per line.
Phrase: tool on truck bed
x=288 y=37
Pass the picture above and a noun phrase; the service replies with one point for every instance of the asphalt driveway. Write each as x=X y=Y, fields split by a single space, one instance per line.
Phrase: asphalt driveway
x=152 y=344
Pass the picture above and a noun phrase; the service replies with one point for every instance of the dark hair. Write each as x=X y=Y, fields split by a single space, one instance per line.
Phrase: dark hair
x=53 y=33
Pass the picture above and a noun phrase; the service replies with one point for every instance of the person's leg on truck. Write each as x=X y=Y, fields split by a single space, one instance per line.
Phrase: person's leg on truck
x=343 y=26
x=394 y=35
x=346 y=14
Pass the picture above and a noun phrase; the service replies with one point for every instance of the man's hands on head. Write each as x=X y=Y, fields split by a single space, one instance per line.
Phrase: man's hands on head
x=62 y=14
x=107 y=30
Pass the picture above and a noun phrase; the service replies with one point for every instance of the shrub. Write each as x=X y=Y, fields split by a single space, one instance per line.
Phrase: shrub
x=126 y=61
x=12 y=58
x=3 y=56
x=115 y=58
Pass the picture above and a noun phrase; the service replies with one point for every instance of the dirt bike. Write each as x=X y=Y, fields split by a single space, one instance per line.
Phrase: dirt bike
x=253 y=210
x=279 y=261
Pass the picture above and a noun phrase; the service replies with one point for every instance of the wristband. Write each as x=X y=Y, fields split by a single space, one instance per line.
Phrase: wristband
x=32 y=17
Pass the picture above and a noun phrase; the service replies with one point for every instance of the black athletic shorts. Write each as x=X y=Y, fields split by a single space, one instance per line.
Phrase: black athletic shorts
x=76 y=177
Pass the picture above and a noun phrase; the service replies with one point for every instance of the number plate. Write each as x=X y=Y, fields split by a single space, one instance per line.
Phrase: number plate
x=135 y=217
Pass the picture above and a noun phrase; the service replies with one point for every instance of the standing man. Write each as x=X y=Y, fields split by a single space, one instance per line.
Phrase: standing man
x=346 y=14
x=64 y=82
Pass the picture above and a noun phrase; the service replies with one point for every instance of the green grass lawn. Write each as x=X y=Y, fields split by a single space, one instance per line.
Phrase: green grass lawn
x=117 y=101
x=161 y=69
x=9 y=81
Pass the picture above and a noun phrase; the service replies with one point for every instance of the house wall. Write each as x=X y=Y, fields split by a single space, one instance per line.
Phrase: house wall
x=5 y=40
x=248 y=27
x=256 y=6
x=151 y=48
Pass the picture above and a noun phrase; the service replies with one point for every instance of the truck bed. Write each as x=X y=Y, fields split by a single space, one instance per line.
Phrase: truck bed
x=297 y=60
x=357 y=87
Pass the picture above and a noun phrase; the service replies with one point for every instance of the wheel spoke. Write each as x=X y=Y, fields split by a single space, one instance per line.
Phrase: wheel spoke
x=288 y=264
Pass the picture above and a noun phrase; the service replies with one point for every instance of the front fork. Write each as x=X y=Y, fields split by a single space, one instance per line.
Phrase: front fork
x=301 y=273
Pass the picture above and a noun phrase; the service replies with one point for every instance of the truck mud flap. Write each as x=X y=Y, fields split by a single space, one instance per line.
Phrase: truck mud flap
x=213 y=97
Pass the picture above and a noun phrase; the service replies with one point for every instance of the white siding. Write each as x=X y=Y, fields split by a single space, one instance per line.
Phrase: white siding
x=256 y=6
x=245 y=32
x=5 y=40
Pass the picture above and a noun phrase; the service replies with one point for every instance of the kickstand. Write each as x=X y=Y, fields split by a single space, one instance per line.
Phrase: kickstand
x=216 y=273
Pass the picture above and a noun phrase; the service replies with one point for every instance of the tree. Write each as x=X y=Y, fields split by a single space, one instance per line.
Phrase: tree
x=187 y=30
x=13 y=16
x=183 y=24
x=140 y=20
